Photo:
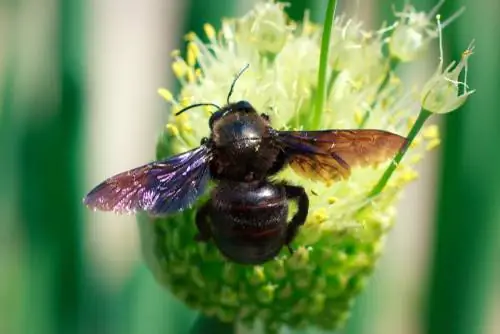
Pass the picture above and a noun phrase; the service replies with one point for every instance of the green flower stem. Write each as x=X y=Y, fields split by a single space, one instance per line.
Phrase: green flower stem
x=323 y=63
x=422 y=117
x=207 y=325
x=393 y=63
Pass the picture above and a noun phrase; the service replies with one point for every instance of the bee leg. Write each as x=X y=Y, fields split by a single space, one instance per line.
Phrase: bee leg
x=297 y=194
x=204 y=230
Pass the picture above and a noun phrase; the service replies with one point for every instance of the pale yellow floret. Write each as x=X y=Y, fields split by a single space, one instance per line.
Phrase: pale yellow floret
x=358 y=117
x=210 y=31
x=166 y=94
x=190 y=36
x=431 y=132
x=192 y=54
x=172 y=129
x=179 y=68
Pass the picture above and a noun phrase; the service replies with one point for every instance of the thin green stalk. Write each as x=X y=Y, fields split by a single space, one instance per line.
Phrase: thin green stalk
x=323 y=64
x=422 y=117
x=393 y=63
x=207 y=325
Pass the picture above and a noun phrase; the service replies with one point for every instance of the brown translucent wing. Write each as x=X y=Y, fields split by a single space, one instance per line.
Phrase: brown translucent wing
x=329 y=155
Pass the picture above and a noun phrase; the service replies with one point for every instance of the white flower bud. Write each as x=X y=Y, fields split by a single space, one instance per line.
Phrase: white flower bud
x=265 y=27
x=441 y=94
x=412 y=34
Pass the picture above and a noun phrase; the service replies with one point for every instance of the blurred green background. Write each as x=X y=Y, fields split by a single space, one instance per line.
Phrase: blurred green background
x=78 y=102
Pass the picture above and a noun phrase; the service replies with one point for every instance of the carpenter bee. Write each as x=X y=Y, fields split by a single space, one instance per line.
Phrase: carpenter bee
x=246 y=215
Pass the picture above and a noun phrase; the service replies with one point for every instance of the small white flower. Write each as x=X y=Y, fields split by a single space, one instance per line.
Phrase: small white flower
x=441 y=94
x=357 y=52
x=414 y=31
x=266 y=27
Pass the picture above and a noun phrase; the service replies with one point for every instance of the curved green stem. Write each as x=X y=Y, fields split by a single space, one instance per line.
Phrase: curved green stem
x=323 y=63
x=207 y=325
x=422 y=117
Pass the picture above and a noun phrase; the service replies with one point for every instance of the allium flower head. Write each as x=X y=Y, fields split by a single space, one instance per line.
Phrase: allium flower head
x=337 y=248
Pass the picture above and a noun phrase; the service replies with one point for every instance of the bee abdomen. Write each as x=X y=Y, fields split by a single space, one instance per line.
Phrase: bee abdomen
x=249 y=225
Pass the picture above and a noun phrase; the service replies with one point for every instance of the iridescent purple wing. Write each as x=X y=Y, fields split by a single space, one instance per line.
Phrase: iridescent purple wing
x=328 y=155
x=159 y=188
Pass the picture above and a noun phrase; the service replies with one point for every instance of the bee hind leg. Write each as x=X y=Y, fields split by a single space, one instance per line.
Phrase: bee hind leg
x=299 y=195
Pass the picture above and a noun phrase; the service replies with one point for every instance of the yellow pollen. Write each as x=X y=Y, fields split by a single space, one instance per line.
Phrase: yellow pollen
x=172 y=129
x=320 y=216
x=185 y=101
x=186 y=127
x=182 y=118
x=408 y=175
x=179 y=68
x=190 y=36
x=166 y=94
x=358 y=116
x=431 y=132
x=190 y=75
x=192 y=54
x=209 y=31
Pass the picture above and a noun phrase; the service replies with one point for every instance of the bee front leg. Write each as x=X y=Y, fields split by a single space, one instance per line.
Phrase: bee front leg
x=203 y=224
x=297 y=194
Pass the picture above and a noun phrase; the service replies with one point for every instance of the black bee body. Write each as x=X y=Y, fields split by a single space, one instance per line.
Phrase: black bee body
x=248 y=220
x=242 y=144
x=246 y=215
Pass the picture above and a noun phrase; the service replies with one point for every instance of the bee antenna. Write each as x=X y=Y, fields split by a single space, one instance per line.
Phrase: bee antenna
x=234 y=81
x=196 y=105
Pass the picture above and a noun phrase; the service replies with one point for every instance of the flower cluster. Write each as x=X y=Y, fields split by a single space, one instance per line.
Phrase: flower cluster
x=344 y=234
